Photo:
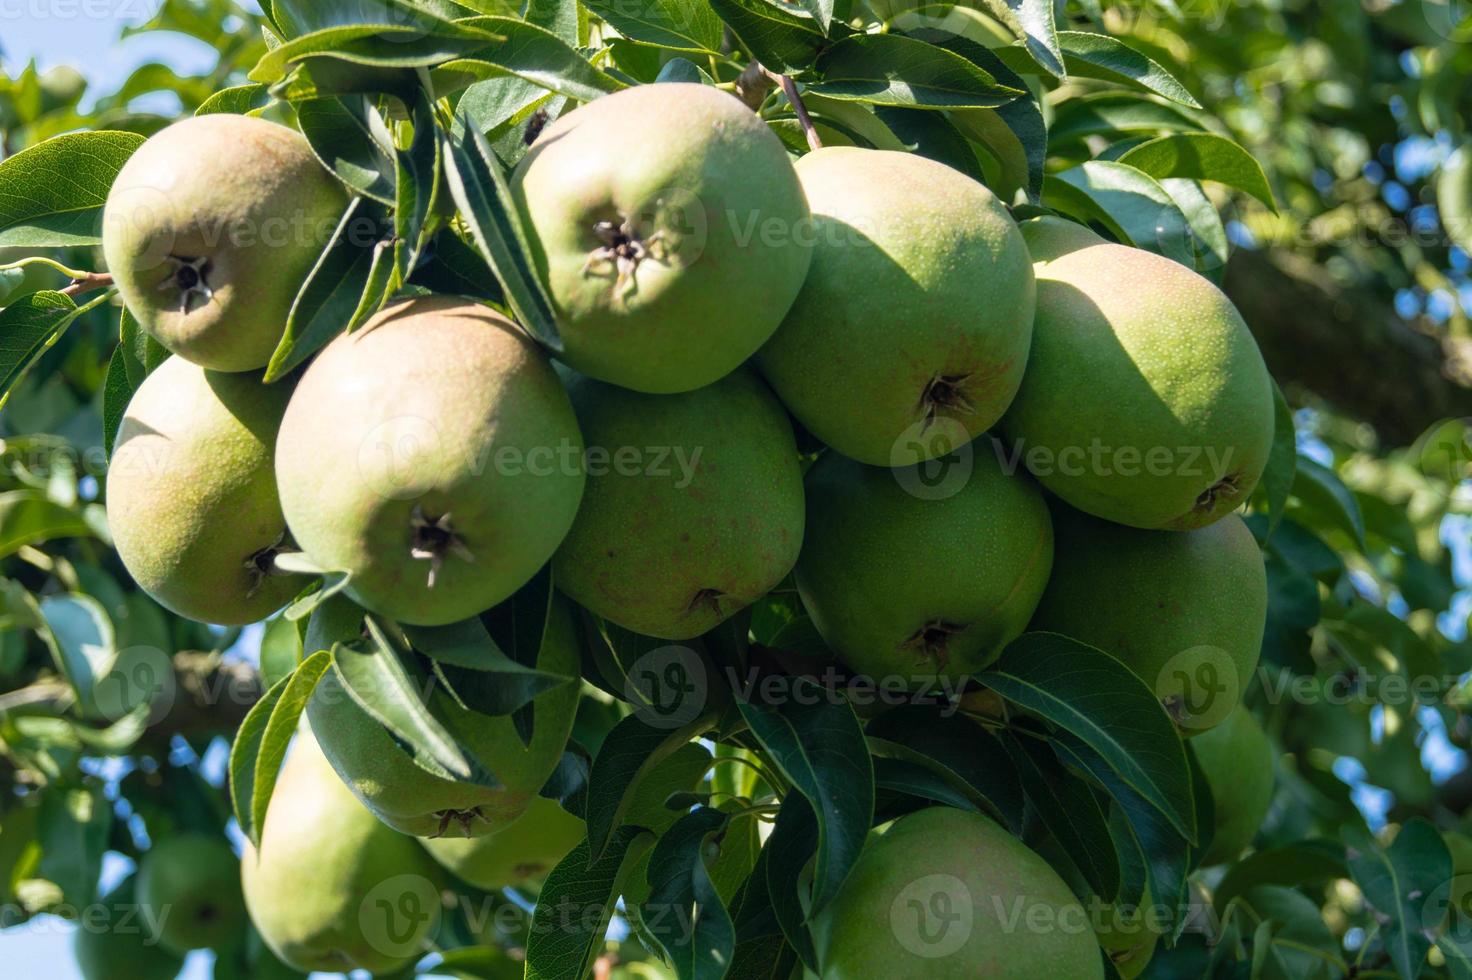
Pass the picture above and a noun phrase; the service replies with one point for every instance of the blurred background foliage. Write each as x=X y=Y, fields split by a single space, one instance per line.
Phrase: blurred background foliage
x=1358 y=289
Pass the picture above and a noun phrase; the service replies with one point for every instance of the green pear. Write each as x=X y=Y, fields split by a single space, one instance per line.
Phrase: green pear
x=433 y=455
x=520 y=854
x=413 y=800
x=191 y=494
x=1237 y=759
x=332 y=888
x=670 y=229
x=911 y=332
x=1184 y=610
x=947 y=894
x=1145 y=401
x=209 y=231
x=189 y=891
x=118 y=945
x=910 y=585
x=694 y=505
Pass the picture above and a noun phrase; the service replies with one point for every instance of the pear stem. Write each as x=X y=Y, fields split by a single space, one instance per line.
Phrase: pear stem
x=86 y=282
x=789 y=89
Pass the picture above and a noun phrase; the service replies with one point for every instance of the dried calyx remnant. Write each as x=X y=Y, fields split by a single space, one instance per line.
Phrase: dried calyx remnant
x=190 y=276
x=933 y=640
x=707 y=599
x=465 y=818
x=622 y=250
x=1225 y=487
x=434 y=537
x=261 y=564
x=945 y=394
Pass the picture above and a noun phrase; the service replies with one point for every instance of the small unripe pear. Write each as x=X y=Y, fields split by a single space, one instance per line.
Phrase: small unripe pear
x=693 y=509
x=433 y=455
x=517 y=856
x=949 y=894
x=1237 y=759
x=121 y=946
x=1145 y=400
x=189 y=892
x=331 y=888
x=1183 y=610
x=904 y=584
x=191 y=493
x=209 y=231
x=911 y=333
x=670 y=229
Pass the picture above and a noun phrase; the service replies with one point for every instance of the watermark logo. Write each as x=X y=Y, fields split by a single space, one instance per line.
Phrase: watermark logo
x=397 y=458
x=139 y=675
x=1199 y=687
x=668 y=687
x=932 y=916
x=933 y=459
x=397 y=914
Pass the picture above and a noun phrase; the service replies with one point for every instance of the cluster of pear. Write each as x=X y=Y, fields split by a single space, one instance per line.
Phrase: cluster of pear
x=1019 y=426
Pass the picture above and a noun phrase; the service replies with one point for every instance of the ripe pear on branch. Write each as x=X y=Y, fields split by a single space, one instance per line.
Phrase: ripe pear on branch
x=209 y=231
x=670 y=229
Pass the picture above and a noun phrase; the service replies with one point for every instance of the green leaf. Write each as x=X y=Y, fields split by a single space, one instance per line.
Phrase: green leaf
x=82 y=640
x=417 y=181
x=542 y=58
x=965 y=755
x=260 y=744
x=1399 y=882
x=73 y=829
x=1090 y=694
x=488 y=210
x=1202 y=156
x=1321 y=489
x=1101 y=56
x=913 y=779
x=350 y=138
x=51 y=194
x=418 y=41
x=681 y=70
x=1129 y=202
x=1208 y=236
x=28 y=327
x=791 y=844
x=1164 y=851
x=678 y=25
x=331 y=294
x=1307 y=862
x=932 y=135
x=116 y=392
x=781 y=39
x=480 y=673
x=1033 y=20
x=576 y=903
x=814 y=738
x=1014 y=134
x=28 y=517
x=890 y=69
x=1454 y=196
x=236 y=100
x=693 y=927
x=629 y=754
x=1069 y=809
x=1282 y=469
x=380 y=681
x=1119 y=113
